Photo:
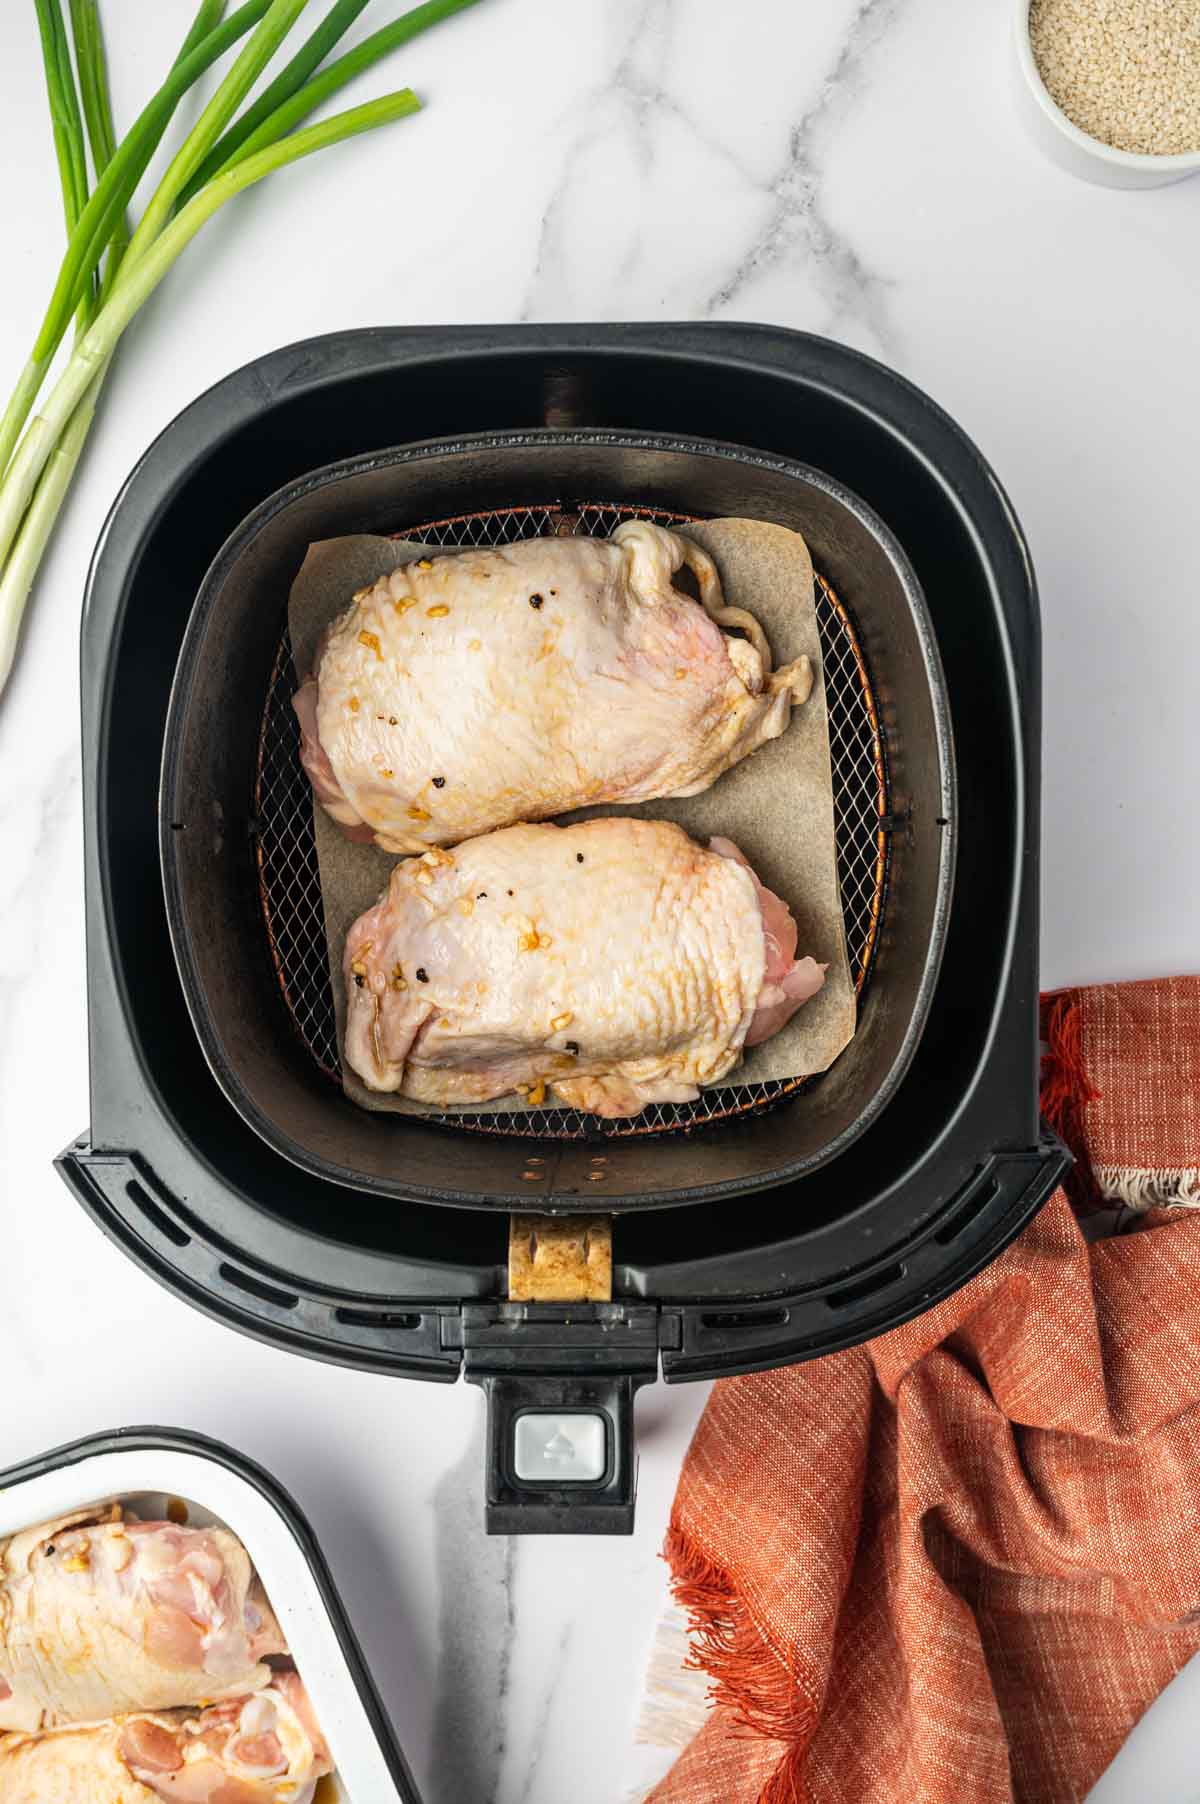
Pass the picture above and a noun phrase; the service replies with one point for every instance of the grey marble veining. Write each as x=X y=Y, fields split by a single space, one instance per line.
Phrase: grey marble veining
x=529 y=1780
x=477 y=1627
x=800 y=226
x=640 y=115
x=38 y=809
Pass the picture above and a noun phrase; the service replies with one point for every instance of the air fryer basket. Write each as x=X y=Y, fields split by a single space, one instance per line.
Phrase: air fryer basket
x=236 y=820
x=926 y=1193
x=289 y=872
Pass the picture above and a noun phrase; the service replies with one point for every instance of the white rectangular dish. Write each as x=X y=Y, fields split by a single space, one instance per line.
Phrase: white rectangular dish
x=146 y=1467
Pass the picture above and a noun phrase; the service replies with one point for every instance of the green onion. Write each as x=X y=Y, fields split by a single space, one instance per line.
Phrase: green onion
x=293 y=101
x=64 y=110
x=225 y=152
x=264 y=41
x=97 y=111
x=309 y=57
x=104 y=211
x=207 y=19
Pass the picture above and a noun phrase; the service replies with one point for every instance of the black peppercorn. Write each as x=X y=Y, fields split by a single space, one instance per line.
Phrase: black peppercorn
x=535 y=601
x=482 y=896
x=573 y=1046
x=579 y=857
x=439 y=782
x=422 y=974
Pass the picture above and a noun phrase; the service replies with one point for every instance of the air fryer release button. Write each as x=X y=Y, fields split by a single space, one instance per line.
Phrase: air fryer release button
x=565 y=1447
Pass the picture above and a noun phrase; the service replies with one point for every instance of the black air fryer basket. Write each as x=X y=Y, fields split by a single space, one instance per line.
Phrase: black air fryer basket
x=223 y=1157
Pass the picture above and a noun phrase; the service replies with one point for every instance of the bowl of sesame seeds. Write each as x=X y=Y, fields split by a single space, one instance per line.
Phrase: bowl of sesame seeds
x=1111 y=88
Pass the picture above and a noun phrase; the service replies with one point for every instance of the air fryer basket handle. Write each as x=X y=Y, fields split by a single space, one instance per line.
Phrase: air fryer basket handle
x=560 y=1453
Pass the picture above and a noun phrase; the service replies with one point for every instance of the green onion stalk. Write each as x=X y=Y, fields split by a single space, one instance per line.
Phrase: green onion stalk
x=108 y=271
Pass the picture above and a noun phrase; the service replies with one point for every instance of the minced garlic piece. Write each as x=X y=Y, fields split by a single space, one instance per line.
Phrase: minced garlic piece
x=561 y=1021
x=438 y=613
x=371 y=641
x=417 y=813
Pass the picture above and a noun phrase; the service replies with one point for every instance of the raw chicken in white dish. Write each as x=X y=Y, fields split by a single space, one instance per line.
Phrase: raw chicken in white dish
x=102 y=1615
x=464 y=692
x=615 y=963
x=263 y=1749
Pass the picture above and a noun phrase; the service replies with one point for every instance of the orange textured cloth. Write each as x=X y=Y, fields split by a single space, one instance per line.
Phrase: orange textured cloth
x=954 y=1566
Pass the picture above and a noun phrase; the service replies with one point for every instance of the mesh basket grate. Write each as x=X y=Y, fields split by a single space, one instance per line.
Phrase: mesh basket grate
x=289 y=881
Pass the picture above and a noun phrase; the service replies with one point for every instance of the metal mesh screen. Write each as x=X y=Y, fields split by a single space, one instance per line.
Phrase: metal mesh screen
x=289 y=880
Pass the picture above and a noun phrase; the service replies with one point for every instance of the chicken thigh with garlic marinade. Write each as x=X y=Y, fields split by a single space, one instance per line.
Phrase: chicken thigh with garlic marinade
x=467 y=691
x=262 y=1749
x=101 y=1616
x=615 y=963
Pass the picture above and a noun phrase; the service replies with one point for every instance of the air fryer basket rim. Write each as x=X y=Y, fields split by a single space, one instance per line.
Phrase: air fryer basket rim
x=173 y=802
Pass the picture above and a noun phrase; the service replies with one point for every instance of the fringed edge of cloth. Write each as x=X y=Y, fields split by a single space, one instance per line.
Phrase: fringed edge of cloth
x=1065 y=1093
x=1140 y=1188
x=747 y=1677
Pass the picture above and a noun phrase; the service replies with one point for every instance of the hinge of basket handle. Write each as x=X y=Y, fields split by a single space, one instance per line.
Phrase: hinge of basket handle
x=560 y=1258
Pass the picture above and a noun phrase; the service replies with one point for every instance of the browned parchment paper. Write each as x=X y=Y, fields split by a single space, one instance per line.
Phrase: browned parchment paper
x=776 y=805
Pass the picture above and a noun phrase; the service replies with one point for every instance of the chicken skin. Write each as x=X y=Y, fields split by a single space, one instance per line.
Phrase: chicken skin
x=102 y=1616
x=262 y=1749
x=615 y=963
x=465 y=692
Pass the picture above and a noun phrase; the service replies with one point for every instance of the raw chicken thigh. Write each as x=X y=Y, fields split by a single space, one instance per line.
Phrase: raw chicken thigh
x=615 y=962
x=465 y=692
x=264 y=1749
x=103 y=1616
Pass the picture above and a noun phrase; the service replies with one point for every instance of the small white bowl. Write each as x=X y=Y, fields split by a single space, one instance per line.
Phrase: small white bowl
x=1075 y=150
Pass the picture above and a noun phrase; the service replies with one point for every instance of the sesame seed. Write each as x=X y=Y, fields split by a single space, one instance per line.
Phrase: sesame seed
x=1127 y=72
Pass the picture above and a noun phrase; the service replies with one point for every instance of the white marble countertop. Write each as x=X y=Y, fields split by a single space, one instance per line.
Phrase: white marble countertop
x=855 y=168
